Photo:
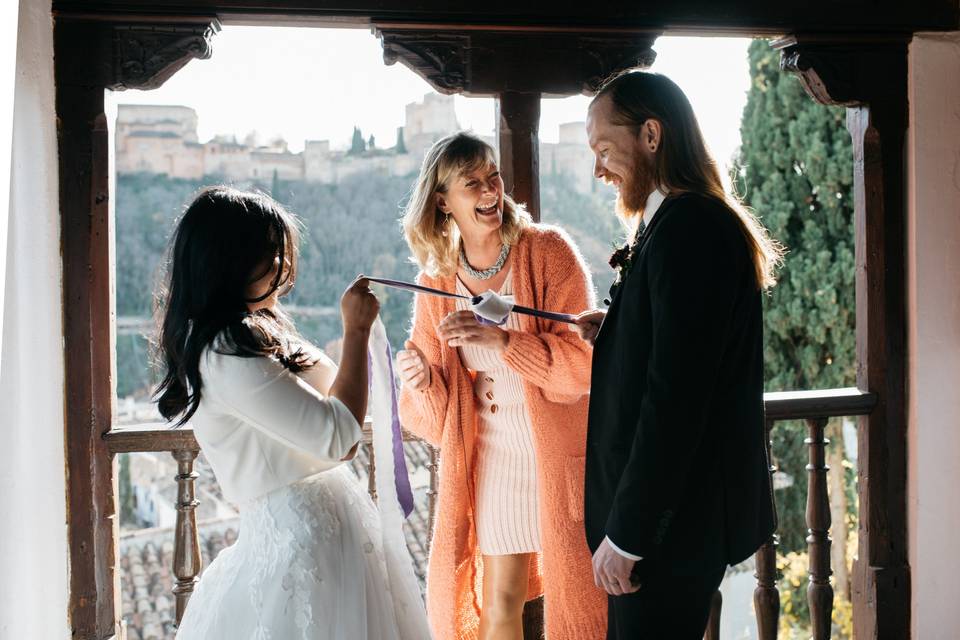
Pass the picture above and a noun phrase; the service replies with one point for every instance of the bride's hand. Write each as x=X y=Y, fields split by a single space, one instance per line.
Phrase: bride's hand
x=461 y=328
x=413 y=366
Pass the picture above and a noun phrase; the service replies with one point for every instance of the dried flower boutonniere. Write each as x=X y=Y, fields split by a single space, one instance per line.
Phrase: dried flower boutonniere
x=621 y=260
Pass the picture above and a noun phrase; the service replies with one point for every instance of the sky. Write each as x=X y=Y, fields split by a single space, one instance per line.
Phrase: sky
x=317 y=84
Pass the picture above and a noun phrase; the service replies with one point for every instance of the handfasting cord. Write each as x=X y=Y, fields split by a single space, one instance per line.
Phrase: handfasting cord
x=475 y=300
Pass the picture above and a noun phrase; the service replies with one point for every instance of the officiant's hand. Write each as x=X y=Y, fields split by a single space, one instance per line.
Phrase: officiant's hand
x=413 y=366
x=611 y=571
x=588 y=324
x=461 y=329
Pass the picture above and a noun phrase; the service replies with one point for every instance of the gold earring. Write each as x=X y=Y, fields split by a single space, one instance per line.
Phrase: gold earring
x=446 y=223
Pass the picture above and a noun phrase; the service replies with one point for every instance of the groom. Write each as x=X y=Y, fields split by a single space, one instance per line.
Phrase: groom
x=677 y=482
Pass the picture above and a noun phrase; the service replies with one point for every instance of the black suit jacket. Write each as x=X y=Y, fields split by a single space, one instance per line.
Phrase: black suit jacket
x=676 y=463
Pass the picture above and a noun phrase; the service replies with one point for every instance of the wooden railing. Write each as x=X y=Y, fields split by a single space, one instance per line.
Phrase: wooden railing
x=815 y=407
x=182 y=444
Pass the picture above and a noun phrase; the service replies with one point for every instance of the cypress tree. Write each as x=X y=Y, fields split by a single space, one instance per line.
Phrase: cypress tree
x=795 y=169
x=357 y=145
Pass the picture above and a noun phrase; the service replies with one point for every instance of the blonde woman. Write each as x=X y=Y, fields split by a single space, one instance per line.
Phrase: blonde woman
x=506 y=405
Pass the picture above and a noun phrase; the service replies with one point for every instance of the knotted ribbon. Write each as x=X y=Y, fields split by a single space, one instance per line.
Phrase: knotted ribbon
x=489 y=307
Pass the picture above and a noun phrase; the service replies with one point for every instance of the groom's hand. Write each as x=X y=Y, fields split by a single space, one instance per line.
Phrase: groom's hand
x=611 y=571
x=588 y=324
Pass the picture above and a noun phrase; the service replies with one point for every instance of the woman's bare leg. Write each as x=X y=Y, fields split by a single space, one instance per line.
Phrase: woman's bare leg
x=504 y=594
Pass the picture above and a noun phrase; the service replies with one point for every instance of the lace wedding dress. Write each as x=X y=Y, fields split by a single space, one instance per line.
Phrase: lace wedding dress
x=312 y=560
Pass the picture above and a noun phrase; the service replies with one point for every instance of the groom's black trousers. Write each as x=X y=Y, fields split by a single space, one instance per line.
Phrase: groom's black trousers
x=667 y=606
x=676 y=585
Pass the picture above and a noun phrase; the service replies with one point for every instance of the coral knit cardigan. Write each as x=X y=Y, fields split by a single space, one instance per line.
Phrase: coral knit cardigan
x=554 y=364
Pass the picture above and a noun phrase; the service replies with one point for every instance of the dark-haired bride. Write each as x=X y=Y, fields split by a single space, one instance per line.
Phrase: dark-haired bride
x=277 y=421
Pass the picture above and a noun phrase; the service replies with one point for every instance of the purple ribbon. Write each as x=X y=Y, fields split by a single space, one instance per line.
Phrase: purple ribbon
x=400 y=474
x=401 y=477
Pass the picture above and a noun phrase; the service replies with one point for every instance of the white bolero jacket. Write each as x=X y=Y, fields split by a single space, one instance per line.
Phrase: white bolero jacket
x=262 y=427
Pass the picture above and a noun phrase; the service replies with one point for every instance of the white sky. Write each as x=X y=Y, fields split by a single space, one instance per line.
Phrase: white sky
x=318 y=83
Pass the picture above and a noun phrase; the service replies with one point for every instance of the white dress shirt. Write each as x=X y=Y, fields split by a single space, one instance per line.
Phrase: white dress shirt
x=654 y=200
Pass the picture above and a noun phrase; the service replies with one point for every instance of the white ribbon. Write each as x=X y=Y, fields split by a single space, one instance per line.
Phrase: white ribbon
x=411 y=616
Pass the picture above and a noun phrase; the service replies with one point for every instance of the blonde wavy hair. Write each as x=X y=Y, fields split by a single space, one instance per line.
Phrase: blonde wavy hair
x=424 y=224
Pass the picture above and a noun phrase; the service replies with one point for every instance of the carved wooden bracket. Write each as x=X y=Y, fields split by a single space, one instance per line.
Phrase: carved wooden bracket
x=440 y=59
x=490 y=61
x=147 y=55
x=846 y=71
x=120 y=53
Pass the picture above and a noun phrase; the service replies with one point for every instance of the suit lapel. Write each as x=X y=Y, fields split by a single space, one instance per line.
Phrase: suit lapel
x=662 y=212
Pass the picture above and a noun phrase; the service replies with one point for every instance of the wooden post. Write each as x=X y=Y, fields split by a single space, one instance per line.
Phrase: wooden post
x=881 y=574
x=187 y=560
x=819 y=590
x=766 y=597
x=517 y=128
x=87 y=251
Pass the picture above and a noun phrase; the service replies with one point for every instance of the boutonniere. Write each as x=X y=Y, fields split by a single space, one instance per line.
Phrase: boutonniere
x=621 y=260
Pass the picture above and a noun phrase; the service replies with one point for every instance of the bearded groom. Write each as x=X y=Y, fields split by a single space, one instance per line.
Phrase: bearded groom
x=677 y=481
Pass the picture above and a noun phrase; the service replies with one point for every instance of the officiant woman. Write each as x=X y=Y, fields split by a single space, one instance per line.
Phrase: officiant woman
x=506 y=405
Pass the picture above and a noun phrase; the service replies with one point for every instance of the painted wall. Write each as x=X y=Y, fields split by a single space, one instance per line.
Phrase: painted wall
x=33 y=535
x=8 y=60
x=933 y=195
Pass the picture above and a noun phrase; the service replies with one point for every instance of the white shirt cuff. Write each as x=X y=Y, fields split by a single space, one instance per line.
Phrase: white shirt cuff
x=629 y=556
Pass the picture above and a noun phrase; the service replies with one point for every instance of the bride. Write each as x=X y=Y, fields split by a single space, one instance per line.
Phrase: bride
x=277 y=420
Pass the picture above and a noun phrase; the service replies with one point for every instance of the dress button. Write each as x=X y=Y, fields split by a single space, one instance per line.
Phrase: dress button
x=489 y=395
x=493 y=408
x=488 y=379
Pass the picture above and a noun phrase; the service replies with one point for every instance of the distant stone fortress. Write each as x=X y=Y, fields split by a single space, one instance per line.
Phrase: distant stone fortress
x=163 y=140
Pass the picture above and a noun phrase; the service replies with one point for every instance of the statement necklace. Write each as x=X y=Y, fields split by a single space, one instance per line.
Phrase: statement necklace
x=486 y=274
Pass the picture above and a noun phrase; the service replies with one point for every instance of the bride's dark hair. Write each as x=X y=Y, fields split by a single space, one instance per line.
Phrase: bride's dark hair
x=225 y=240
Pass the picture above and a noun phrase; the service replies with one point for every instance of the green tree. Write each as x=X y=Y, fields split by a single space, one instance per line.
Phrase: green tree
x=357 y=145
x=275 y=186
x=401 y=146
x=795 y=169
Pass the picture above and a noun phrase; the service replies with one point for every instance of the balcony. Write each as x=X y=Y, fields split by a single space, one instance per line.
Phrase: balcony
x=183 y=552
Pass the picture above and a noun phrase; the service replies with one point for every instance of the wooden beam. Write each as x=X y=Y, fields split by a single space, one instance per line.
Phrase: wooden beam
x=746 y=17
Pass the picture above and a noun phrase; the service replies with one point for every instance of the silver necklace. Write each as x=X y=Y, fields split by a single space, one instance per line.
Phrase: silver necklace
x=486 y=274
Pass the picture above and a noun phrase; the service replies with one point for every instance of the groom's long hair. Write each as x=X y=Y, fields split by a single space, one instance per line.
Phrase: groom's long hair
x=683 y=163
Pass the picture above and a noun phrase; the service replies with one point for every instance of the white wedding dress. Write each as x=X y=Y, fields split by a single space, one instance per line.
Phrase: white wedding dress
x=312 y=560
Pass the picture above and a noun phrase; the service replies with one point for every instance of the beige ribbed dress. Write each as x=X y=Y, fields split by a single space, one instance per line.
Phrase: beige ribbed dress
x=507 y=510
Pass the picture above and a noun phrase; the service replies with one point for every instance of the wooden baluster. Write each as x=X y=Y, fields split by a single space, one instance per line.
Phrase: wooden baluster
x=371 y=471
x=713 y=622
x=766 y=597
x=186 y=547
x=819 y=590
x=434 y=467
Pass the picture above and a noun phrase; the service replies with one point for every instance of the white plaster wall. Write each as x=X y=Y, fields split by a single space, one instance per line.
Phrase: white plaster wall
x=933 y=194
x=8 y=60
x=33 y=535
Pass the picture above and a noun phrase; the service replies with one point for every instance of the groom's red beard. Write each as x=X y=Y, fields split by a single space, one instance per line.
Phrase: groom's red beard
x=634 y=190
